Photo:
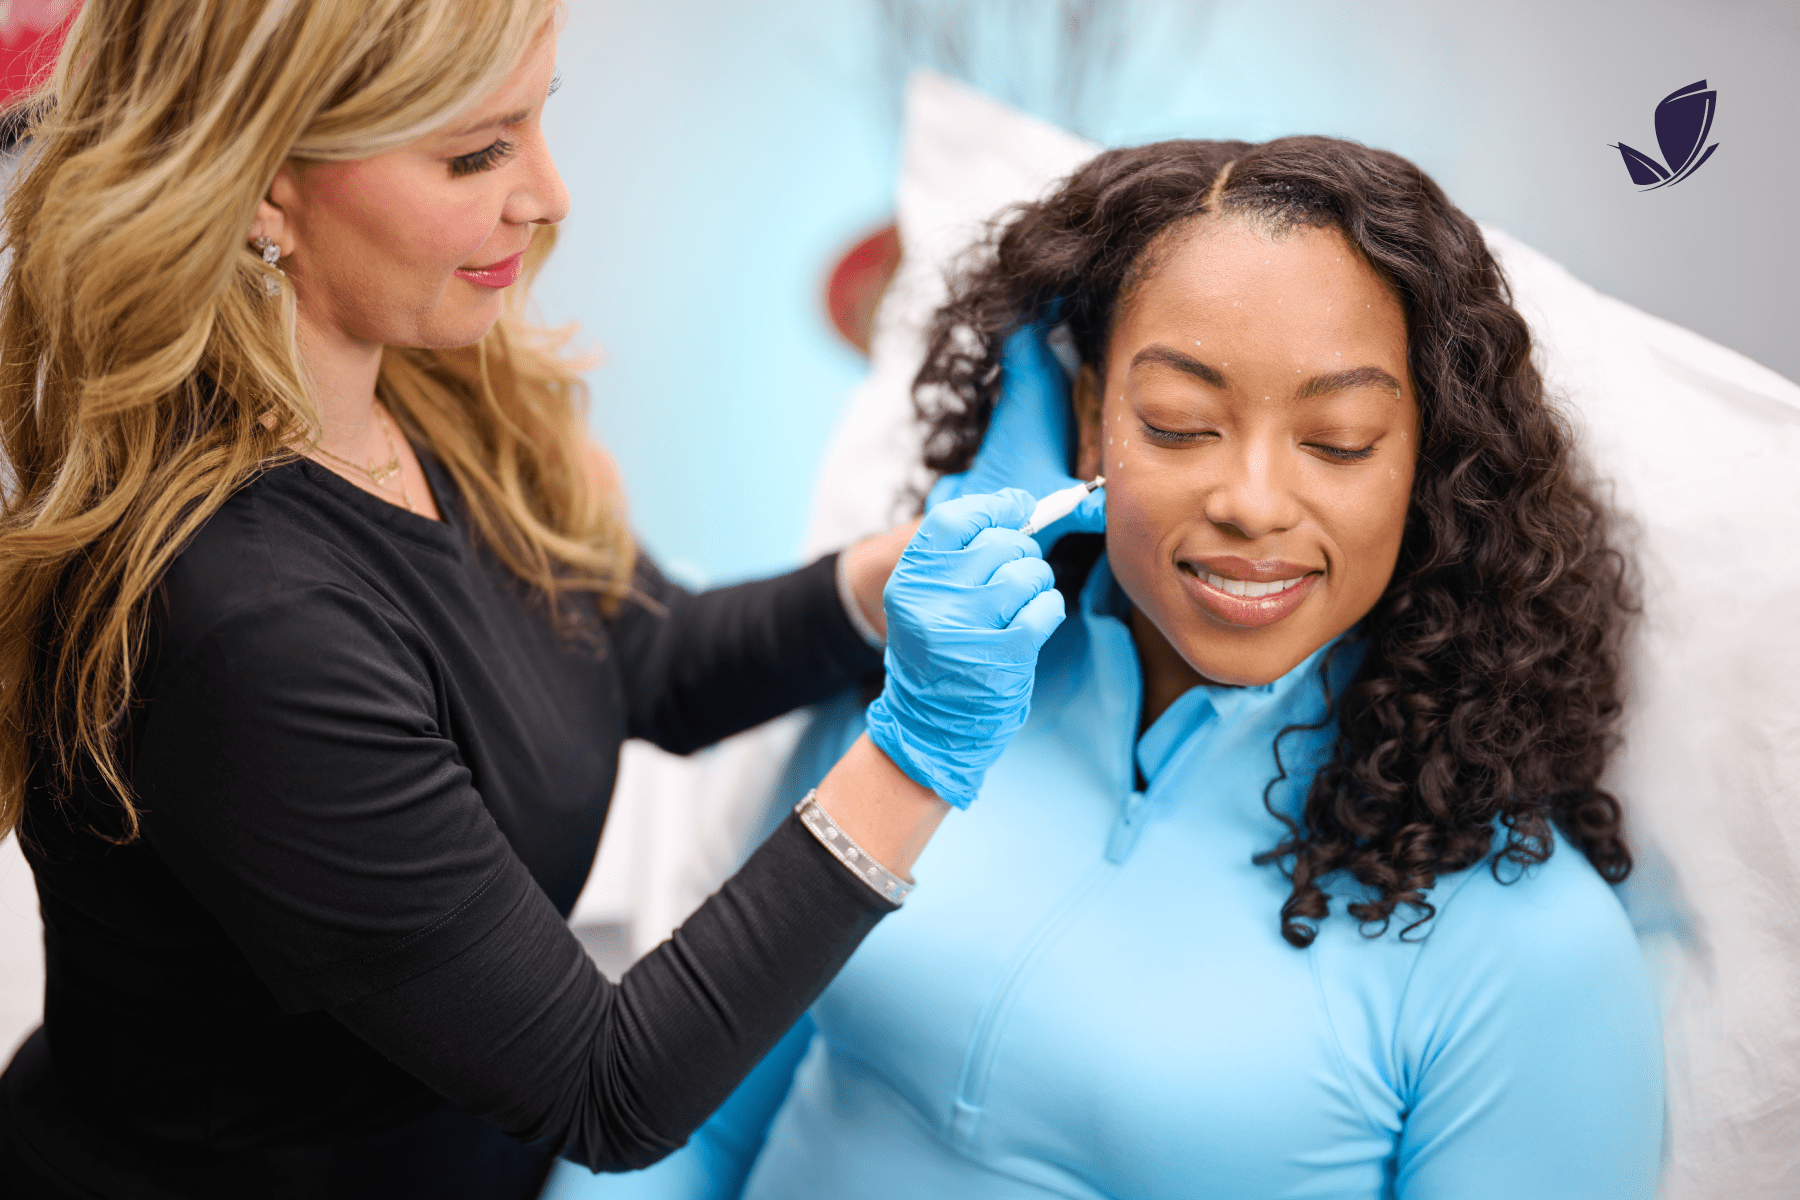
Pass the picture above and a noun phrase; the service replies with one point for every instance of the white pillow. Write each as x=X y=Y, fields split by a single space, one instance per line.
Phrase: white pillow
x=965 y=157
x=1702 y=447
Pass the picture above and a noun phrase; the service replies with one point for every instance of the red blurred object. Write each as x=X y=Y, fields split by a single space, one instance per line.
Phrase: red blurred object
x=855 y=285
x=31 y=32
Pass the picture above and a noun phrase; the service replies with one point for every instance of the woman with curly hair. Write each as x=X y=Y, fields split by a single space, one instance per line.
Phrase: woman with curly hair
x=1296 y=881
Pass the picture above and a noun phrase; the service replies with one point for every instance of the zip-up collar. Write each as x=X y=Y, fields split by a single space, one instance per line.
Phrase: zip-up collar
x=1211 y=733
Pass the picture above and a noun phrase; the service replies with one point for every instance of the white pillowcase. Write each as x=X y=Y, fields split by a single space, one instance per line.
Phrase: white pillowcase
x=1702 y=449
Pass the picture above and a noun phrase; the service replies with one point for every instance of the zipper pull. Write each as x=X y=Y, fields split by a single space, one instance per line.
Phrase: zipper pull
x=1127 y=829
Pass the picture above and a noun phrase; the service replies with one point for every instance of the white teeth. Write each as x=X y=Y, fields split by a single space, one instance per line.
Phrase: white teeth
x=1248 y=590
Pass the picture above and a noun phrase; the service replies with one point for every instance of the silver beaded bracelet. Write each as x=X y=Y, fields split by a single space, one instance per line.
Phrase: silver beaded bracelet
x=843 y=847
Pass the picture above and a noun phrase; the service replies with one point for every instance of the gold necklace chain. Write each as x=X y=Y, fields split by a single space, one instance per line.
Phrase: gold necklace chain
x=390 y=469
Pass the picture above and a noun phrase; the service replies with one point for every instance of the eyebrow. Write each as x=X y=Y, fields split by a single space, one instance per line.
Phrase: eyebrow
x=1169 y=357
x=511 y=118
x=1318 y=385
x=1343 y=381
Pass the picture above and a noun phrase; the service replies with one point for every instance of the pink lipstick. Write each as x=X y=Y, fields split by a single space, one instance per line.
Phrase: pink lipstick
x=495 y=275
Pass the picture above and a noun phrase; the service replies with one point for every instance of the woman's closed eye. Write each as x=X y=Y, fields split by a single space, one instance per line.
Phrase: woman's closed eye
x=1177 y=437
x=1173 y=437
x=481 y=160
x=1343 y=454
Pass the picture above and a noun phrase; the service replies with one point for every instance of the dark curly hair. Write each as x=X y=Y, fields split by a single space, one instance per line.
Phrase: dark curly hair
x=1489 y=690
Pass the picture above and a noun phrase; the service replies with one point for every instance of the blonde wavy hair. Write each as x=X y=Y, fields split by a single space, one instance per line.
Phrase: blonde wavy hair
x=145 y=376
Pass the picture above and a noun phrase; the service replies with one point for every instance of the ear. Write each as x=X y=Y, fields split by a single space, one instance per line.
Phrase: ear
x=1089 y=397
x=273 y=218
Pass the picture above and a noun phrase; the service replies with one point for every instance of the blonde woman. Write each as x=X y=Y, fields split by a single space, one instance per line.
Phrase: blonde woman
x=320 y=630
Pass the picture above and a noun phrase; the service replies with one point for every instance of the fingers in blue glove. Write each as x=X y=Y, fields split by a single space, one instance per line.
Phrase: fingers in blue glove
x=1041 y=615
x=955 y=523
x=969 y=606
x=974 y=566
x=1016 y=584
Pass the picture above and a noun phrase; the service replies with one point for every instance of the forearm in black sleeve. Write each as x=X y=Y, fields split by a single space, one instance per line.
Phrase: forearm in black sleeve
x=617 y=1077
x=698 y=667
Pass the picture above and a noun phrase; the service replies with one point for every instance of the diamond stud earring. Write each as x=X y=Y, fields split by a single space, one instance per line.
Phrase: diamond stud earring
x=271 y=254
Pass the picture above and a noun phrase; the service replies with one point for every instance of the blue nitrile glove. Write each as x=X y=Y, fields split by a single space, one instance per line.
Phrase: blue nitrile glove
x=968 y=606
x=1028 y=442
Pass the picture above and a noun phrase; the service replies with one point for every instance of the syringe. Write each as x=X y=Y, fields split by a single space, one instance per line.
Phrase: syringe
x=1059 y=504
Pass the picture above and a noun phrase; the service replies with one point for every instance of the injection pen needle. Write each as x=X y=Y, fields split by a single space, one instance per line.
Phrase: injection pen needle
x=1059 y=504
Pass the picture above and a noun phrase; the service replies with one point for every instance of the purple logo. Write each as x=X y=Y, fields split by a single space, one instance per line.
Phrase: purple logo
x=1683 y=120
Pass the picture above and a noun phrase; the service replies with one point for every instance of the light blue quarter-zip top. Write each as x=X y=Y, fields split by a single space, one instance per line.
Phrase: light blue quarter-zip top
x=1088 y=996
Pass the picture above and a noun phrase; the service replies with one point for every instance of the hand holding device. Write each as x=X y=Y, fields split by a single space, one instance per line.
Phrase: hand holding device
x=968 y=607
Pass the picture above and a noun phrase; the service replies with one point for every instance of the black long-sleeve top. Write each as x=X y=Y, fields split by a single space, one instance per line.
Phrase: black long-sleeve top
x=373 y=772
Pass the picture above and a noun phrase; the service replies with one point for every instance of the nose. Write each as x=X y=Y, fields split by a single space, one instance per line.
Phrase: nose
x=539 y=197
x=1252 y=493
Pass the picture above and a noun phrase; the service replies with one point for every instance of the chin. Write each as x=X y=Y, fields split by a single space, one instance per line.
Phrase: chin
x=1246 y=667
x=458 y=321
x=451 y=336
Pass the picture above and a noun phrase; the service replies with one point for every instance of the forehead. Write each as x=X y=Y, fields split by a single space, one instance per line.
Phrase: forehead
x=1300 y=291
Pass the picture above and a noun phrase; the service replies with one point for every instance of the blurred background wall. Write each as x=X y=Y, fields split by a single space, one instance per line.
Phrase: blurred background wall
x=722 y=156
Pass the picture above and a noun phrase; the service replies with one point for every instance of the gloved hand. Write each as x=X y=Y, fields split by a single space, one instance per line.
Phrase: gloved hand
x=1028 y=442
x=968 y=606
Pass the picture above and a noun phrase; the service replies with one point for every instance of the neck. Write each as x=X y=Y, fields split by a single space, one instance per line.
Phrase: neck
x=1166 y=674
x=356 y=440
x=342 y=370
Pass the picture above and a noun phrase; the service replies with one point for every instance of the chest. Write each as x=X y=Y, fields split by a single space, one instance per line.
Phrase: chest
x=1132 y=1016
x=535 y=709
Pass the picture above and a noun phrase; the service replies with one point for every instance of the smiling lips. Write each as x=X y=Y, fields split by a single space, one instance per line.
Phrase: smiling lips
x=495 y=275
x=1248 y=594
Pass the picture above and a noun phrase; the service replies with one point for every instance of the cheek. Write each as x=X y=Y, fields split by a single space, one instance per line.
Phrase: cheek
x=1149 y=499
x=1144 y=509
x=1368 y=525
x=387 y=218
x=449 y=230
x=1120 y=446
x=382 y=249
